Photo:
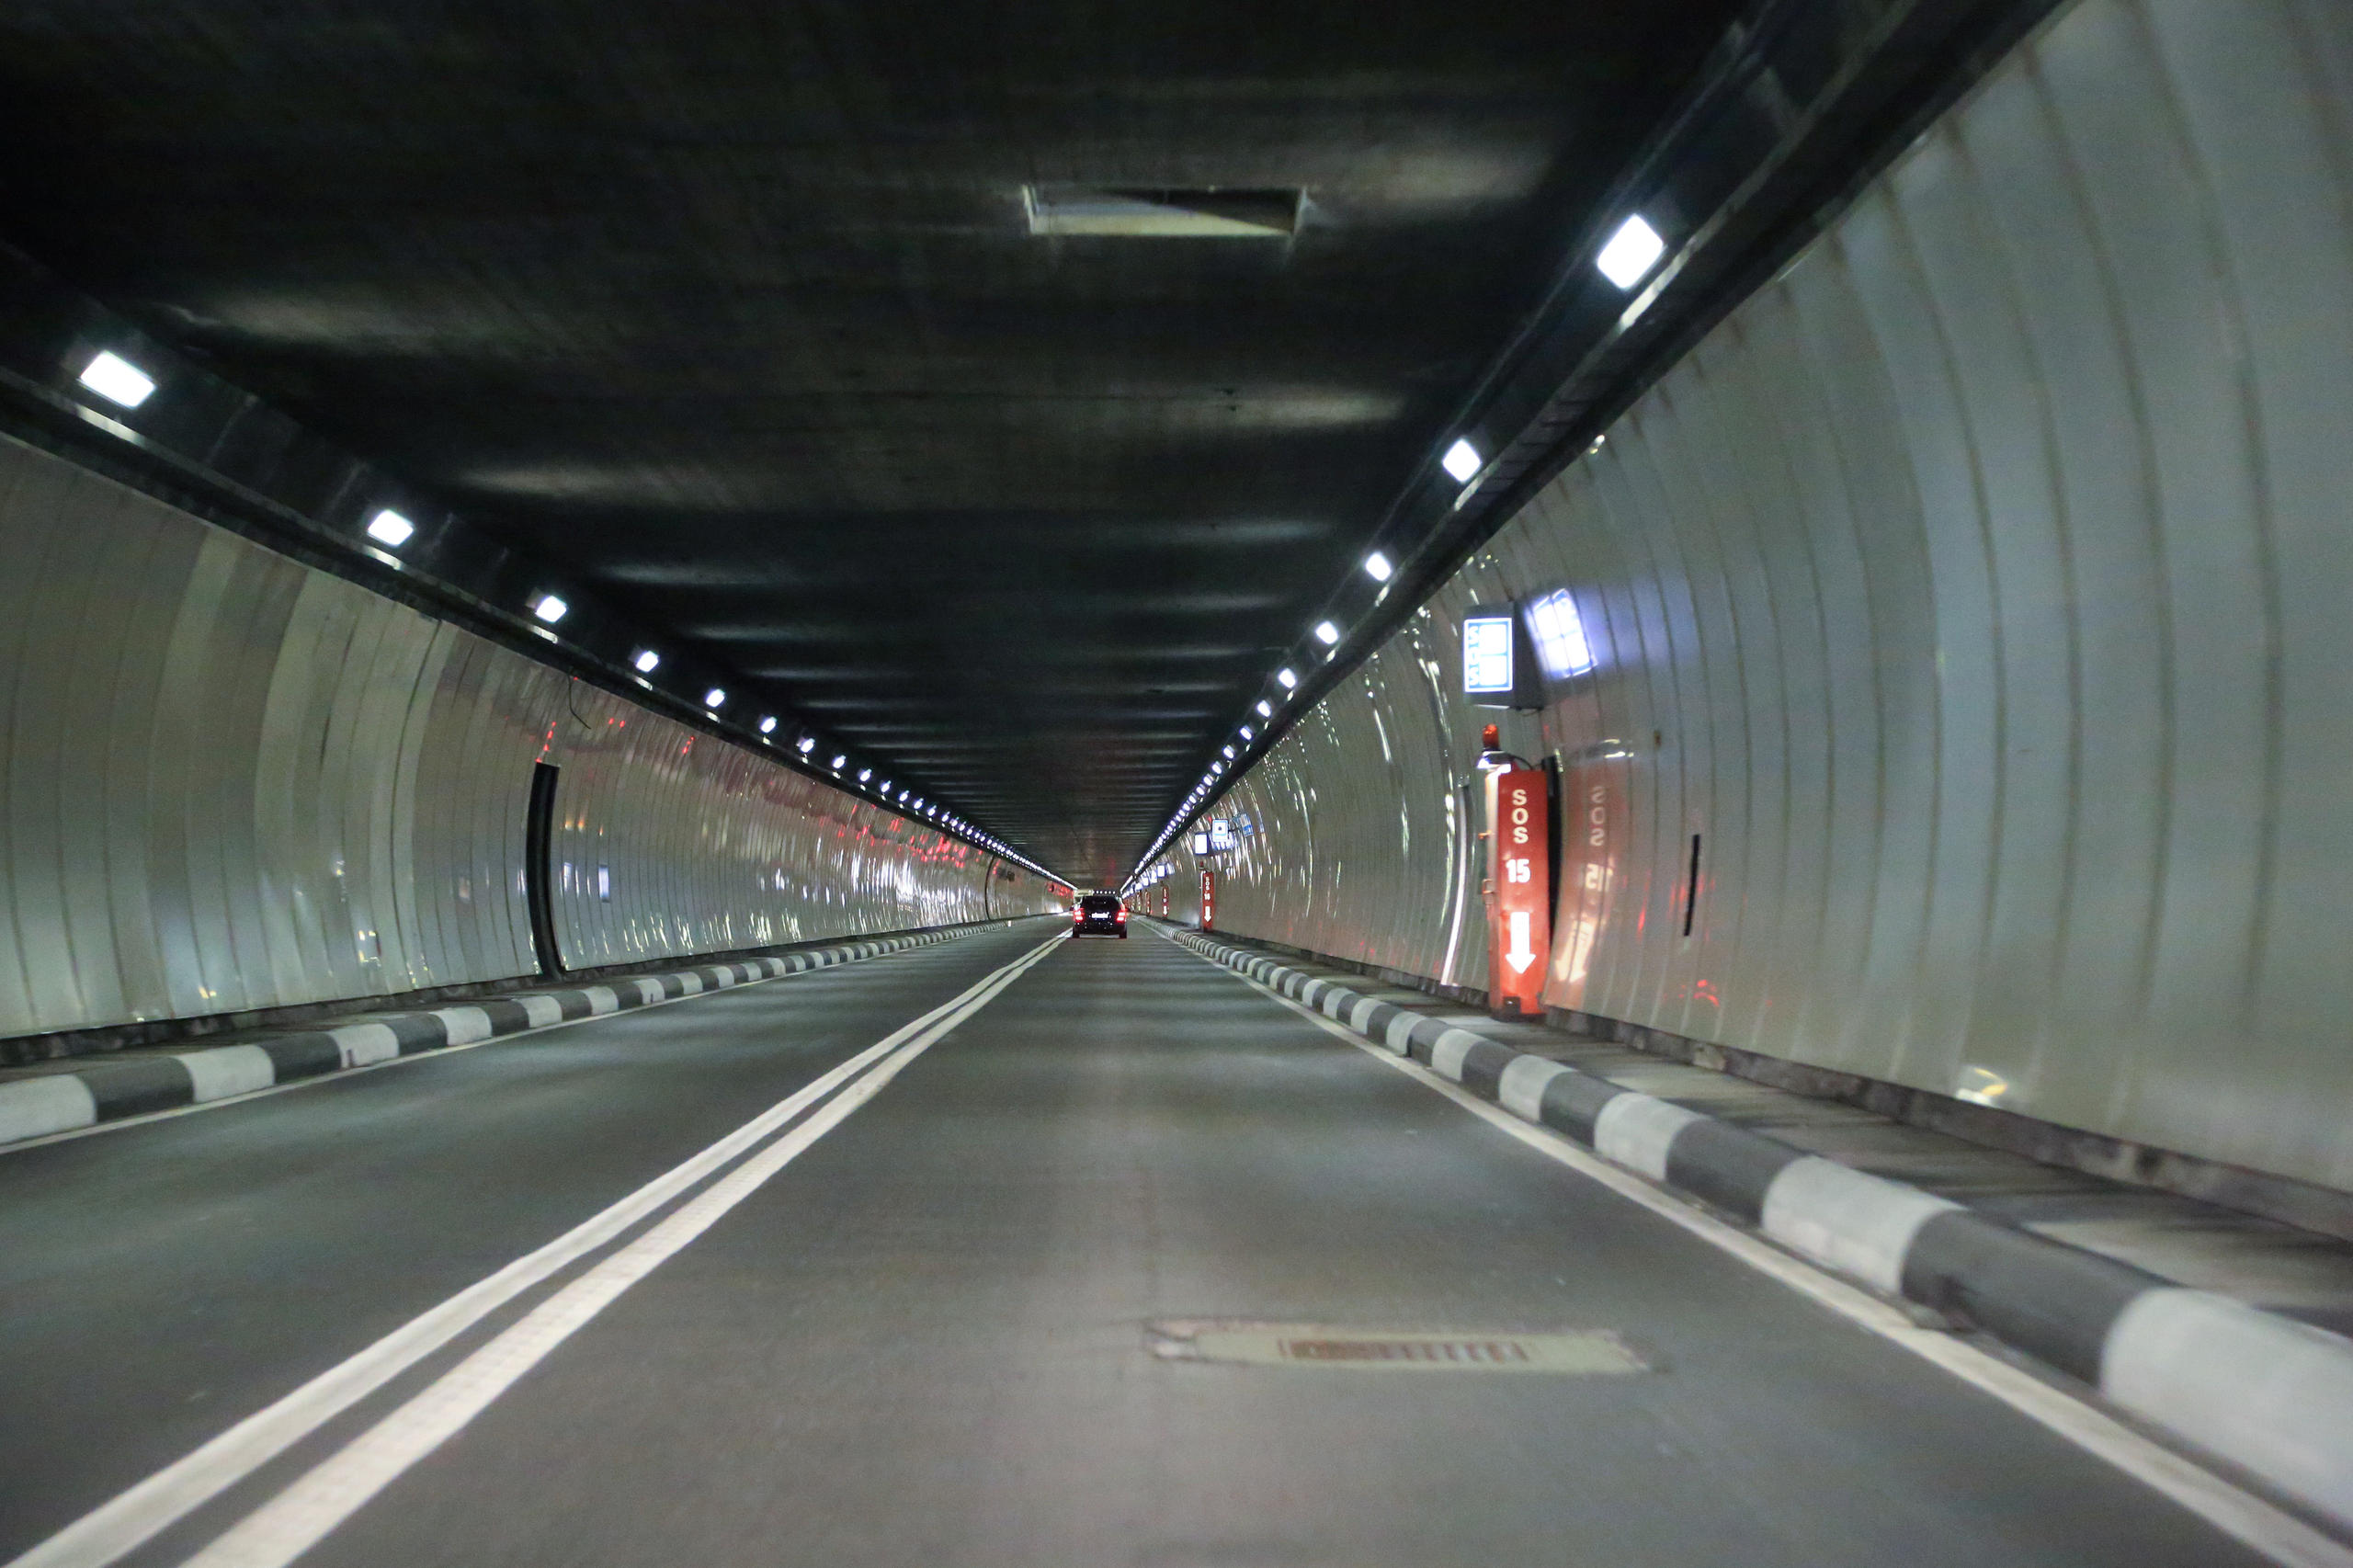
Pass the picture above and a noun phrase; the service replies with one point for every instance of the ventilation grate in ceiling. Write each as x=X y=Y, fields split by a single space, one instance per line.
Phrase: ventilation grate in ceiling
x=1207 y=212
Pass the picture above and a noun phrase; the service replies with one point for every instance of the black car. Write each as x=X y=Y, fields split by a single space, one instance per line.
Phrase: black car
x=1099 y=915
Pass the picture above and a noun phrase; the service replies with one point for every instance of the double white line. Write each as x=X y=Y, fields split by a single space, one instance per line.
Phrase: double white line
x=301 y=1515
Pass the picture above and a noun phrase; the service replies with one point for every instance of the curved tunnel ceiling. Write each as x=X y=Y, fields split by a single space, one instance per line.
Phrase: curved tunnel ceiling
x=1000 y=385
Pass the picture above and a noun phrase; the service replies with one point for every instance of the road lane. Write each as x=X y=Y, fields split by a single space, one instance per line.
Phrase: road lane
x=162 y=1281
x=930 y=1340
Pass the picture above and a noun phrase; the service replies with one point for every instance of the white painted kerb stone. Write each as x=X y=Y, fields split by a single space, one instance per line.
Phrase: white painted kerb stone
x=465 y=1025
x=1521 y=1089
x=2267 y=1393
x=30 y=1108
x=228 y=1070
x=1636 y=1130
x=1447 y=1054
x=1856 y=1223
x=363 y=1045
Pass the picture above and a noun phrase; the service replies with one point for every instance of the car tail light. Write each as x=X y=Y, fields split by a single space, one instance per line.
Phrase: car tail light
x=1123 y=917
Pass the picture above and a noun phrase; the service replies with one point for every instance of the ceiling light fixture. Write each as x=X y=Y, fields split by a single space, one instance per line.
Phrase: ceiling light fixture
x=767 y=725
x=714 y=697
x=1461 y=460
x=1265 y=711
x=1631 y=252
x=1326 y=633
x=389 y=529
x=550 y=608
x=645 y=661
x=118 y=381
x=1290 y=681
x=1377 y=567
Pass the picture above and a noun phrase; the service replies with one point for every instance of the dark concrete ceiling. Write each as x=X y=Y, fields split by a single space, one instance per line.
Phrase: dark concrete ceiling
x=732 y=313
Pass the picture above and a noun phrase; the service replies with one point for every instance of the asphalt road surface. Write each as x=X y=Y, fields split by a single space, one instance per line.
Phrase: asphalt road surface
x=959 y=1306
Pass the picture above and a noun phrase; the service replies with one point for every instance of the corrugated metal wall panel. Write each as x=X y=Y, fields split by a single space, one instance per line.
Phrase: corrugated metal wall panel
x=232 y=782
x=1976 y=593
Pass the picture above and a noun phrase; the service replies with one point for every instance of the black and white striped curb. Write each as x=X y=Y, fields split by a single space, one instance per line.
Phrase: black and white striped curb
x=2270 y=1395
x=111 y=1090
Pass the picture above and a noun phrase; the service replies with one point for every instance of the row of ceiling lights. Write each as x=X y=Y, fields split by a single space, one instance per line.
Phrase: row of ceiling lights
x=124 y=384
x=1630 y=253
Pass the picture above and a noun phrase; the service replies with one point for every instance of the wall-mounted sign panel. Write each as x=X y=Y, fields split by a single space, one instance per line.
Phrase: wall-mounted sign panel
x=1200 y=843
x=1220 y=836
x=1499 y=667
x=1486 y=655
x=1519 y=891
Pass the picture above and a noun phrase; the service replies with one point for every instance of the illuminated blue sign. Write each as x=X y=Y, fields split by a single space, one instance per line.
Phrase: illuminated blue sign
x=1487 y=656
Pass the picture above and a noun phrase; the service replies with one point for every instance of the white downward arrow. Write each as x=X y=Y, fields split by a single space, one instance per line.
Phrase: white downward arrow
x=1519 y=958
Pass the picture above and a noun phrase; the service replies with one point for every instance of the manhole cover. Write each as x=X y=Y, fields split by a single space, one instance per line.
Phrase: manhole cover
x=1576 y=1353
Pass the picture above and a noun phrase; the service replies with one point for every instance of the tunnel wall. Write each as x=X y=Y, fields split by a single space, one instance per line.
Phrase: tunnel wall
x=234 y=782
x=1980 y=592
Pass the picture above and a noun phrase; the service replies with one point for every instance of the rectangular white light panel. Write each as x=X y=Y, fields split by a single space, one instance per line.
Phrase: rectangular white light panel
x=1630 y=252
x=1461 y=460
x=1562 y=650
x=118 y=381
x=389 y=528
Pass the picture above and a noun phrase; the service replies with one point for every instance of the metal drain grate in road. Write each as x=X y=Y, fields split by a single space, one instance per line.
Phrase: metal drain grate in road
x=1578 y=1353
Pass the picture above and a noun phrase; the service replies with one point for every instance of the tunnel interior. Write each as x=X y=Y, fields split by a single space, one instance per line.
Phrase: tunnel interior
x=1697 y=650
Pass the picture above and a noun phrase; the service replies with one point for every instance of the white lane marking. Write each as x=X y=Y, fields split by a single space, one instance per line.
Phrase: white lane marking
x=122 y=1525
x=1856 y=1222
x=1636 y=1130
x=226 y=1070
x=300 y=1516
x=366 y=1048
x=2275 y=1393
x=37 y=1107
x=2241 y=1515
